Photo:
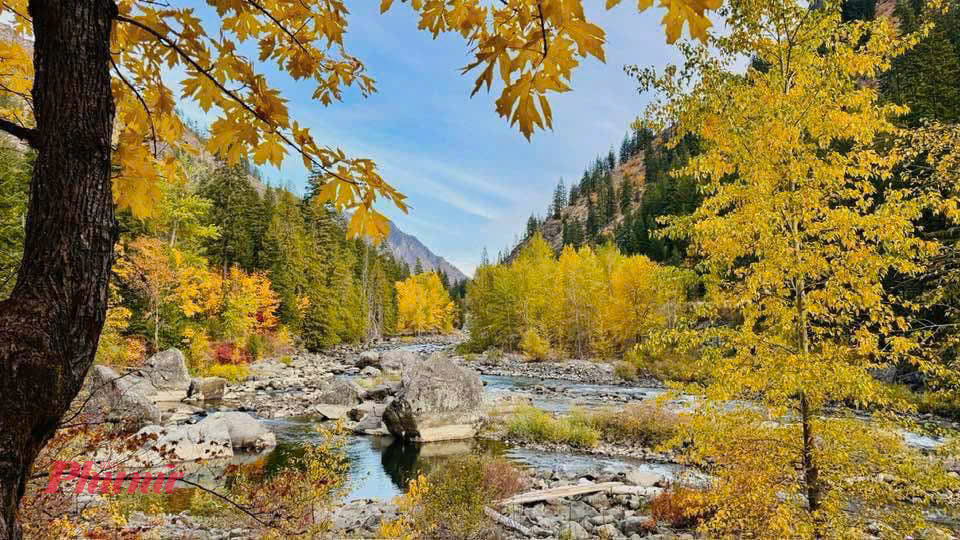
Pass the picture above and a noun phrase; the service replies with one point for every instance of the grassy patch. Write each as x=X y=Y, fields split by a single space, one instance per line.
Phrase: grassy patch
x=668 y=366
x=644 y=424
x=231 y=372
x=371 y=382
x=533 y=425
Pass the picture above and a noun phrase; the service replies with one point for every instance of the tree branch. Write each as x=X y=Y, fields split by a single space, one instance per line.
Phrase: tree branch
x=232 y=95
x=25 y=134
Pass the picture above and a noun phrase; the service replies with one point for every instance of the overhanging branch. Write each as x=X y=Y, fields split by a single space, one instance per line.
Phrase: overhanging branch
x=25 y=134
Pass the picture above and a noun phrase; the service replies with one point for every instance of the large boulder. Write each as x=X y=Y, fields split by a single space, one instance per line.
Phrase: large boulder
x=161 y=445
x=118 y=397
x=167 y=370
x=340 y=392
x=207 y=388
x=246 y=432
x=439 y=401
x=393 y=362
x=368 y=359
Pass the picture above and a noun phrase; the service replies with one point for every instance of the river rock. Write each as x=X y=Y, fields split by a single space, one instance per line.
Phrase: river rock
x=606 y=531
x=167 y=370
x=368 y=359
x=117 y=397
x=393 y=362
x=640 y=477
x=340 y=392
x=207 y=388
x=380 y=392
x=330 y=412
x=162 y=445
x=246 y=432
x=439 y=400
x=635 y=525
x=370 y=372
x=572 y=529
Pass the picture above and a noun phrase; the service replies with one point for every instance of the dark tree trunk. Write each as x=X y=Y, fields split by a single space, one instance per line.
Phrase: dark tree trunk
x=50 y=325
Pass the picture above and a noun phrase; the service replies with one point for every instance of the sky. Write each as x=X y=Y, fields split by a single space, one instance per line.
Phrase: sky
x=471 y=179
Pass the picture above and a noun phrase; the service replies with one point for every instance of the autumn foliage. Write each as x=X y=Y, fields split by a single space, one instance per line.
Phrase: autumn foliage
x=424 y=305
x=584 y=302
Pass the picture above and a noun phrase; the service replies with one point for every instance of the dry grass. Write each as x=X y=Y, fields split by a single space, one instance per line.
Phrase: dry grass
x=643 y=424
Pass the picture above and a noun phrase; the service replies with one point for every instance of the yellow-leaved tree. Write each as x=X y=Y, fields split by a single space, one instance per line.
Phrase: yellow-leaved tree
x=799 y=228
x=424 y=305
x=95 y=99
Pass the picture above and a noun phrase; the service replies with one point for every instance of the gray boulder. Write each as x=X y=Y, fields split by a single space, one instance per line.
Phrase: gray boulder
x=246 y=432
x=163 y=445
x=207 y=388
x=167 y=370
x=393 y=362
x=380 y=392
x=340 y=392
x=370 y=372
x=120 y=397
x=572 y=529
x=439 y=400
x=368 y=359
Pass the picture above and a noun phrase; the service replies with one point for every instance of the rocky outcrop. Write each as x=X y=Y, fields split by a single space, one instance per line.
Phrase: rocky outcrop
x=439 y=400
x=162 y=445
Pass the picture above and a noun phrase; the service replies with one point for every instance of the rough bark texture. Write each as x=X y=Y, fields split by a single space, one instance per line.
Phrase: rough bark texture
x=50 y=325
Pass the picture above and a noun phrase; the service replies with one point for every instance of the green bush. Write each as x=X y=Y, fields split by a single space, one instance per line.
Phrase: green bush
x=626 y=371
x=256 y=345
x=231 y=372
x=668 y=365
x=534 y=346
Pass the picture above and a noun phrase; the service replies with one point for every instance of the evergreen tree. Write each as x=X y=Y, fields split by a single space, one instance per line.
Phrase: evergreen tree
x=611 y=160
x=574 y=194
x=559 y=199
x=859 y=10
x=625 y=149
x=927 y=78
x=418 y=267
x=626 y=195
x=610 y=202
x=592 y=225
x=233 y=211
x=532 y=225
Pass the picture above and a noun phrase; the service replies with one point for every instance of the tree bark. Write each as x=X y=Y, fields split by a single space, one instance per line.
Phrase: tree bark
x=50 y=325
x=811 y=473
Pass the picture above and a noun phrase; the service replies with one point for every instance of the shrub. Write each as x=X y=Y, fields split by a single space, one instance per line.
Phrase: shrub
x=256 y=346
x=231 y=372
x=450 y=502
x=533 y=425
x=626 y=371
x=644 y=424
x=533 y=345
x=229 y=353
x=679 y=507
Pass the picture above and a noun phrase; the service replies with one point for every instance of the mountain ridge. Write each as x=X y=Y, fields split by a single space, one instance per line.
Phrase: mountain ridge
x=409 y=248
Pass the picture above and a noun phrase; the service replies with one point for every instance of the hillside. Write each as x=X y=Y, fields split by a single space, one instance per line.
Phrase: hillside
x=408 y=248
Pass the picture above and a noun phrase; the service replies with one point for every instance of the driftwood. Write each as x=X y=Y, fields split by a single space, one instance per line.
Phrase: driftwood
x=562 y=491
x=507 y=522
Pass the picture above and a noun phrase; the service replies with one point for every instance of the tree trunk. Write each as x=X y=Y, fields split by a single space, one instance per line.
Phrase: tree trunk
x=811 y=473
x=50 y=325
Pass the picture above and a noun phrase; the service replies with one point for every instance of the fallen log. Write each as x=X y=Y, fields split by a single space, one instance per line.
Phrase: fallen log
x=562 y=491
x=507 y=522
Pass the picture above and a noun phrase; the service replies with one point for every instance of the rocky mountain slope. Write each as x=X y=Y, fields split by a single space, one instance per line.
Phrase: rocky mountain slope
x=409 y=248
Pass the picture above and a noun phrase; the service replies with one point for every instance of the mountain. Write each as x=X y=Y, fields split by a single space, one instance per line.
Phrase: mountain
x=409 y=248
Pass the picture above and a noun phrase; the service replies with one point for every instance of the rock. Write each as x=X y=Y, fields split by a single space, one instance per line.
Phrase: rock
x=330 y=412
x=207 y=388
x=368 y=359
x=572 y=529
x=246 y=432
x=163 y=445
x=578 y=510
x=635 y=525
x=394 y=361
x=598 y=501
x=167 y=370
x=370 y=372
x=602 y=519
x=340 y=392
x=122 y=398
x=606 y=531
x=371 y=424
x=439 y=401
x=379 y=392
x=640 y=477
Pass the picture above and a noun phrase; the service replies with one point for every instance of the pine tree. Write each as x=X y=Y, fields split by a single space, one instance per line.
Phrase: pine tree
x=234 y=202
x=559 y=199
x=625 y=149
x=418 y=267
x=611 y=160
x=626 y=195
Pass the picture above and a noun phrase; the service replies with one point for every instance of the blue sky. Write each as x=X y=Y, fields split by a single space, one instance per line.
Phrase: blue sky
x=471 y=179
